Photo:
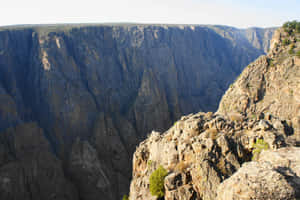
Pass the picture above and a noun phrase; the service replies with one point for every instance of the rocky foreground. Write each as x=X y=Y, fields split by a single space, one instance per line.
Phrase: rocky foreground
x=248 y=149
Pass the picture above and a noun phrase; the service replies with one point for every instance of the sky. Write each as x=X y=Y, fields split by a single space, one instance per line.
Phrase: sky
x=237 y=13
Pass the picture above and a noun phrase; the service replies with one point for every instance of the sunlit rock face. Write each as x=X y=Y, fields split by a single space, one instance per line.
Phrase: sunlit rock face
x=75 y=100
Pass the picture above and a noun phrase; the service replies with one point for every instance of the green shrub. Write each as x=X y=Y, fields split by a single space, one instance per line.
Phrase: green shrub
x=298 y=54
x=125 y=197
x=270 y=62
x=286 y=42
x=298 y=27
x=156 y=182
x=292 y=46
x=291 y=27
x=253 y=116
x=149 y=163
x=291 y=51
x=258 y=146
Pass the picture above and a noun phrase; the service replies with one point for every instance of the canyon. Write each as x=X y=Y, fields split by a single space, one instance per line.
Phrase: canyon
x=75 y=100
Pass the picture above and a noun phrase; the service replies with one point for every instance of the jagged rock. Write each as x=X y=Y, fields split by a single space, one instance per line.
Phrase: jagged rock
x=269 y=85
x=275 y=176
x=208 y=148
x=185 y=192
x=178 y=187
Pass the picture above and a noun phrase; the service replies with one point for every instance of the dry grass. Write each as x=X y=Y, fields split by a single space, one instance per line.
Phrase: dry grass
x=169 y=137
x=181 y=166
x=236 y=117
x=209 y=114
x=213 y=133
x=222 y=166
x=189 y=157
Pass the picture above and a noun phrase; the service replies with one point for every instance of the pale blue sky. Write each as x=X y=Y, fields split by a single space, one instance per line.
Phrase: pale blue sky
x=238 y=13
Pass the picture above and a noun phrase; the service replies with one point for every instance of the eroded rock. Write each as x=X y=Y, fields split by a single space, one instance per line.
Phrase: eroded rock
x=275 y=176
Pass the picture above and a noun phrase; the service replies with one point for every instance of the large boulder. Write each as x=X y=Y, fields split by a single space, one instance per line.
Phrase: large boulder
x=276 y=176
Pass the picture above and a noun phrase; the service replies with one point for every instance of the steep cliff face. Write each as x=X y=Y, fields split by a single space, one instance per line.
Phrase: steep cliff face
x=95 y=91
x=206 y=155
x=271 y=84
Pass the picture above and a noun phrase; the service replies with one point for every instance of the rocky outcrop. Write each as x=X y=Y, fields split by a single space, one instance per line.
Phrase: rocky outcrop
x=95 y=91
x=208 y=155
x=275 y=176
x=201 y=151
x=270 y=84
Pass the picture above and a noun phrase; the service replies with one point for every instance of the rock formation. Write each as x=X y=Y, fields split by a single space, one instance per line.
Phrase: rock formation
x=270 y=85
x=208 y=155
x=76 y=99
x=201 y=151
x=276 y=175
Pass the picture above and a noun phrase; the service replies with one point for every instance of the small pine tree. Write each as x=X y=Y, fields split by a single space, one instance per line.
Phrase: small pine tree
x=156 y=182
x=291 y=27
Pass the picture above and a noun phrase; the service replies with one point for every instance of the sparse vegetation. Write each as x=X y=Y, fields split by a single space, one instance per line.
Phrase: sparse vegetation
x=181 y=166
x=298 y=54
x=291 y=27
x=298 y=27
x=270 y=62
x=236 y=117
x=156 y=182
x=222 y=166
x=286 y=42
x=292 y=47
x=213 y=133
x=258 y=146
x=253 y=116
x=149 y=163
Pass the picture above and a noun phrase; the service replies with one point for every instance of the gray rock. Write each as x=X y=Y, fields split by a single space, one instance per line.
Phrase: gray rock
x=275 y=176
x=269 y=85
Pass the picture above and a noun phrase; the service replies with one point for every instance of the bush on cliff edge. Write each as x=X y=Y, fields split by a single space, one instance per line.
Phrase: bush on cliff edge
x=156 y=182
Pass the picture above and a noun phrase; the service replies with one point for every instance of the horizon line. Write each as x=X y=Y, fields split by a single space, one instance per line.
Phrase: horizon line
x=34 y=25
